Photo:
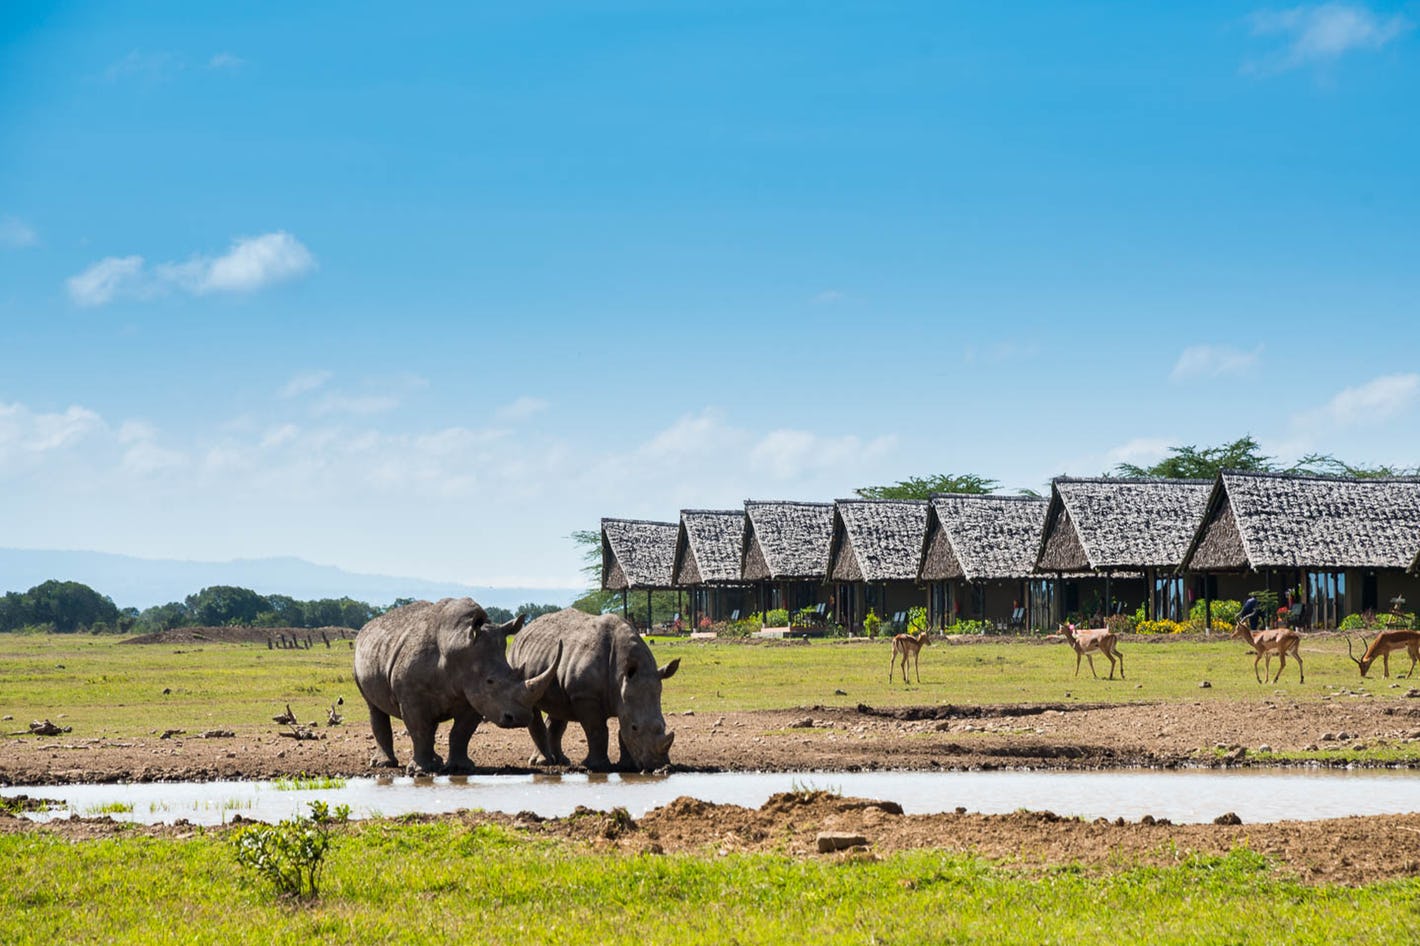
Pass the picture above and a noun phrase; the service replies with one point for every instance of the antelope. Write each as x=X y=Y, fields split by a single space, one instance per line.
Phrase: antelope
x=1385 y=642
x=908 y=645
x=1280 y=641
x=1086 y=643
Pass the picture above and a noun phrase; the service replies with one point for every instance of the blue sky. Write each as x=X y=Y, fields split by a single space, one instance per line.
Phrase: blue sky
x=421 y=290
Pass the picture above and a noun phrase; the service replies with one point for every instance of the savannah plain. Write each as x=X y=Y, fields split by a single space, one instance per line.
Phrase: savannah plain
x=691 y=871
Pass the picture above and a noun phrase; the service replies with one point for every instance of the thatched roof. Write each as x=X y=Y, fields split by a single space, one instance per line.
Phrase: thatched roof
x=786 y=540
x=877 y=539
x=1274 y=520
x=1110 y=524
x=637 y=554
x=981 y=537
x=709 y=547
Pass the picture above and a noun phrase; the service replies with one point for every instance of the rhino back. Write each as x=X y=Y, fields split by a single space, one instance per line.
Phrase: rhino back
x=591 y=645
x=417 y=648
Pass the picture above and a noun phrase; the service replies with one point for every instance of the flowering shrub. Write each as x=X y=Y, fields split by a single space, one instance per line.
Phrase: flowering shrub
x=1224 y=612
x=916 y=620
x=1162 y=627
x=1369 y=621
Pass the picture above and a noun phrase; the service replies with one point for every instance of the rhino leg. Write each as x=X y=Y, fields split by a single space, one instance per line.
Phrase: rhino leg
x=556 y=728
x=421 y=731
x=384 y=739
x=464 y=727
x=545 y=755
x=597 y=738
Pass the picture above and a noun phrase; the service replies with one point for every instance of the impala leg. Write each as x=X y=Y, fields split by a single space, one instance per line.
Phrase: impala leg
x=1091 y=659
x=1385 y=662
x=892 y=665
x=1301 y=671
x=1281 y=665
x=1121 y=664
x=1077 y=663
x=917 y=666
x=1255 y=662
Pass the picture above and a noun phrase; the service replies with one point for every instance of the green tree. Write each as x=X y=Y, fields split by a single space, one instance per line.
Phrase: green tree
x=161 y=617
x=226 y=604
x=1189 y=462
x=920 y=487
x=66 y=605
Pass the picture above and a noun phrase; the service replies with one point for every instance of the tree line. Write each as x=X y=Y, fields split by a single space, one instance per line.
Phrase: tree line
x=65 y=607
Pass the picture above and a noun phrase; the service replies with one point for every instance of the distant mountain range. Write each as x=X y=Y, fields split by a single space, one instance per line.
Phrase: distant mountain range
x=144 y=582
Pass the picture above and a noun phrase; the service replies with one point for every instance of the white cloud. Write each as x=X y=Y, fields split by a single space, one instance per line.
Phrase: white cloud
x=521 y=409
x=828 y=297
x=1366 y=404
x=15 y=234
x=359 y=404
x=108 y=278
x=792 y=454
x=1141 y=451
x=148 y=67
x=252 y=263
x=25 y=431
x=1321 y=33
x=1213 y=361
x=306 y=382
x=225 y=60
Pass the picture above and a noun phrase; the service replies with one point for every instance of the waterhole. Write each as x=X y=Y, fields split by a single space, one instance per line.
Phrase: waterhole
x=1181 y=796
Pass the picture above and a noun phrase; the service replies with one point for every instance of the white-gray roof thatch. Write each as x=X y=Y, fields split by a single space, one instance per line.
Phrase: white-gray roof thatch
x=709 y=547
x=786 y=540
x=637 y=554
x=1269 y=520
x=877 y=539
x=981 y=537
x=1111 y=524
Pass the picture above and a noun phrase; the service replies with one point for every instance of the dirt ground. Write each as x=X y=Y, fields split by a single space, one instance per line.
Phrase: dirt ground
x=1035 y=736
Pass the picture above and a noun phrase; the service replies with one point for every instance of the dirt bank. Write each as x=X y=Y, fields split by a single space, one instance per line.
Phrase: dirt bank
x=1061 y=736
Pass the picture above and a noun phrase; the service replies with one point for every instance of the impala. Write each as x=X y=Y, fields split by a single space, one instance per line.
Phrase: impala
x=1385 y=642
x=908 y=645
x=1280 y=641
x=1089 y=641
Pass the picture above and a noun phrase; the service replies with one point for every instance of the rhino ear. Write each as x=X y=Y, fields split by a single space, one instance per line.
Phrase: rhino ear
x=669 y=669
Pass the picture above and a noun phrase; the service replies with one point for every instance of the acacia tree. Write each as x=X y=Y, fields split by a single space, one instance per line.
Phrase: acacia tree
x=921 y=487
x=1245 y=454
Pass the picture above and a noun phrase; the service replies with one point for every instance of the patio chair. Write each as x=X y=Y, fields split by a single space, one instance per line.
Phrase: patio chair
x=1018 y=618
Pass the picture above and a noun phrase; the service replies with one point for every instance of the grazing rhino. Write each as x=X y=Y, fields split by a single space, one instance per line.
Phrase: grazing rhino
x=427 y=663
x=606 y=670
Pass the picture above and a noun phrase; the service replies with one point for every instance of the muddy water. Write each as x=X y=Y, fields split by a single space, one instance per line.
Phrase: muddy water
x=1181 y=796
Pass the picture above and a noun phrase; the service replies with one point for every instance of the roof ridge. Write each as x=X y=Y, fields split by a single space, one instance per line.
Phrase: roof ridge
x=1129 y=479
x=642 y=522
x=1012 y=497
x=1321 y=477
x=786 y=502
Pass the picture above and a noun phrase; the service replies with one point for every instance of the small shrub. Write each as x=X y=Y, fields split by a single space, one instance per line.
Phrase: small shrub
x=916 y=620
x=1224 y=612
x=972 y=627
x=872 y=623
x=1162 y=627
x=778 y=617
x=1120 y=623
x=290 y=854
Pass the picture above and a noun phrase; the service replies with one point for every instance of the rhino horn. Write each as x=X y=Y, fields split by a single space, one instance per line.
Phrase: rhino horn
x=537 y=686
x=665 y=747
x=669 y=669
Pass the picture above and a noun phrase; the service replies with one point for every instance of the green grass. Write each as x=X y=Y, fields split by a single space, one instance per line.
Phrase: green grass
x=110 y=808
x=298 y=783
x=101 y=687
x=447 y=883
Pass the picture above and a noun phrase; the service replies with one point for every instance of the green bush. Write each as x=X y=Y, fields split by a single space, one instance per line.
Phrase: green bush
x=290 y=854
x=872 y=623
x=1224 y=612
x=779 y=617
x=916 y=620
x=972 y=627
x=1121 y=623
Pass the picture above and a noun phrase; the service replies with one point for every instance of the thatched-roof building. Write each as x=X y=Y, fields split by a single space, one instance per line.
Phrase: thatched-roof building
x=1338 y=545
x=1118 y=528
x=978 y=560
x=786 y=552
x=875 y=555
x=637 y=556
x=709 y=553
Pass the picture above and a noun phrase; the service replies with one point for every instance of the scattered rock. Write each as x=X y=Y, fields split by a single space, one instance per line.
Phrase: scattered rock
x=805 y=723
x=1228 y=818
x=830 y=841
x=840 y=692
x=1204 y=685
x=47 y=728
x=170 y=733
x=1264 y=748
